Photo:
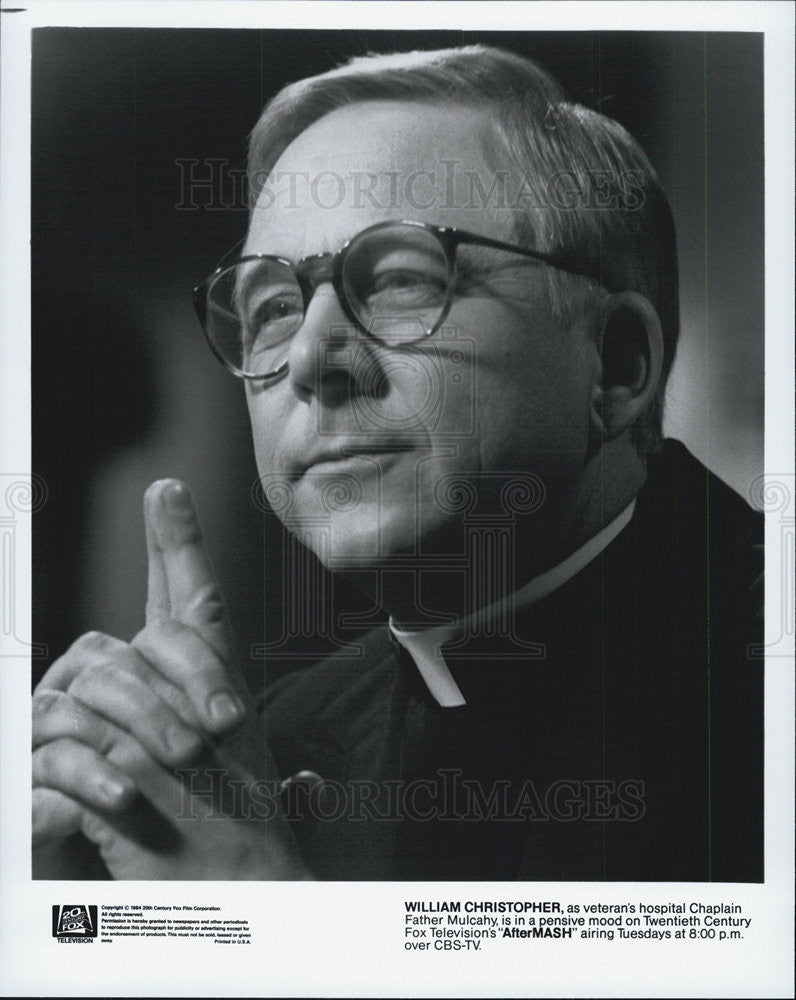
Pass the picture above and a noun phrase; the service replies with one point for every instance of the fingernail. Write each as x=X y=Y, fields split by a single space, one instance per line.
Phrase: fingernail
x=224 y=708
x=111 y=790
x=177 y=498
x=182 y=743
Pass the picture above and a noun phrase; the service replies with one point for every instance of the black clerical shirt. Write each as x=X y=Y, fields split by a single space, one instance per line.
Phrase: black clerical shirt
x=629 y=748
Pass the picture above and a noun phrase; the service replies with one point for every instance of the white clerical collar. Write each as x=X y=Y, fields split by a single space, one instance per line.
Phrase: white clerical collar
x=424 y=645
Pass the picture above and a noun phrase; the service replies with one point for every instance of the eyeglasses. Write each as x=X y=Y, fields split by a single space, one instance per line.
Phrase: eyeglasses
x=394 y=280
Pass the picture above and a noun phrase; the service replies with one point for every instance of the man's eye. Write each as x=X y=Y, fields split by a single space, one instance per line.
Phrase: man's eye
x=279 y=309
x=272 y=317
x=404 y=288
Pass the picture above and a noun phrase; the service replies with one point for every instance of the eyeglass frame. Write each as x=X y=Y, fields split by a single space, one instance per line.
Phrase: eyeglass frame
x=330 y=266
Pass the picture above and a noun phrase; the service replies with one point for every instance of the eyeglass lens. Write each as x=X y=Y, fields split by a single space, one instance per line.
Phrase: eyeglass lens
x=394 y=279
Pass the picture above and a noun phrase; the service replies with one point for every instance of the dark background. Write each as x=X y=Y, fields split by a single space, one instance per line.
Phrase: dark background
x=124 y=389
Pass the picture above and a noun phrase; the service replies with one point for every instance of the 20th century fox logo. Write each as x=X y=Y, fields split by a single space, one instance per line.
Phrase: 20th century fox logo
x=75 y=924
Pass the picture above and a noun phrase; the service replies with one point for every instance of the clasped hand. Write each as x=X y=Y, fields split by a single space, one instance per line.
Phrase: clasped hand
x=117 y=726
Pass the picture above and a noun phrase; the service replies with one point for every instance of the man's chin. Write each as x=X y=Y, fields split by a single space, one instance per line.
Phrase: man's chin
x=354 y=542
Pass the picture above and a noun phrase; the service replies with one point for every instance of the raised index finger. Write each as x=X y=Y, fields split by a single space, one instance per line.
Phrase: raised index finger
x=182 y=582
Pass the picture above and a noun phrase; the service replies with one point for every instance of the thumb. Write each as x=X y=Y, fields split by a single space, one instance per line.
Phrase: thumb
x=182 y=583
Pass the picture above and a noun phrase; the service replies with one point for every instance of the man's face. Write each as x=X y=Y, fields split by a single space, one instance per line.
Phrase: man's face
x=362 y=446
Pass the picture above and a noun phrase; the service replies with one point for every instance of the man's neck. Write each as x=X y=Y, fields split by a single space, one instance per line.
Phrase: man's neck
x=539 y=587
x=498 y=561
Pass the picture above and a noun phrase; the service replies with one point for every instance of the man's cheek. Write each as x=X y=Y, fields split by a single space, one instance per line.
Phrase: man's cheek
x=265 y=438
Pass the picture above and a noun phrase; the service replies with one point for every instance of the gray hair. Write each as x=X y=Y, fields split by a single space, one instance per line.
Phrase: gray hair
x=590 y=193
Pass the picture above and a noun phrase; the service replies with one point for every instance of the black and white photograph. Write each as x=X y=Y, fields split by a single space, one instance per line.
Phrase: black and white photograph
x=536 y=662
x=399 y=484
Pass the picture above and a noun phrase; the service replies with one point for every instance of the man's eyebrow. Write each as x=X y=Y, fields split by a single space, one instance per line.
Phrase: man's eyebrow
x=245 y=283
x=472 y=259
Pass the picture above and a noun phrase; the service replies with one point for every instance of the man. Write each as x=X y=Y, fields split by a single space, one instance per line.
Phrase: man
x=455 y=312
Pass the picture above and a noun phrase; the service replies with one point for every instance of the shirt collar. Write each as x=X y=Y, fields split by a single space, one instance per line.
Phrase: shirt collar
x=424 y=645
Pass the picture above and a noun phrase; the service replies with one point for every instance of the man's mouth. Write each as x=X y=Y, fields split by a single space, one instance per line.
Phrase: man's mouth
x=334 y=456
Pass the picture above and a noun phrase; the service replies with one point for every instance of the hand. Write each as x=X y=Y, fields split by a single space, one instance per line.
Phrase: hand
x=113 y=722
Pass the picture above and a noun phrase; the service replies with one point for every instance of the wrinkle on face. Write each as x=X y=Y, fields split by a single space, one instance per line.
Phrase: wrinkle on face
x=524 y=381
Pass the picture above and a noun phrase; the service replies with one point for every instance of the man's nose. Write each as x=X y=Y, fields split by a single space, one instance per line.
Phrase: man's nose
x=327 y=355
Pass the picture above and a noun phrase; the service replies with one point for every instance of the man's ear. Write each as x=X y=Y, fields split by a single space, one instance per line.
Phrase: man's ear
x=631 y=354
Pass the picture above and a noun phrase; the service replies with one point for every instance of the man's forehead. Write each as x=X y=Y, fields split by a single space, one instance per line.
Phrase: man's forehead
x=391 y=134
x=381 y=160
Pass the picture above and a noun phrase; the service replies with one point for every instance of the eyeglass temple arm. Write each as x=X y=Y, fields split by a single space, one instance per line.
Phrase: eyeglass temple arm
x=546 y=258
